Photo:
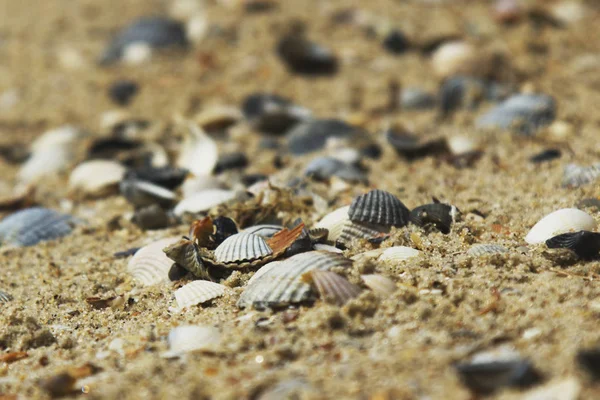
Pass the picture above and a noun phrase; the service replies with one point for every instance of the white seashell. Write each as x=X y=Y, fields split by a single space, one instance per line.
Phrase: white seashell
x=452 y=58
x=197 y=184
x=263 y=270
x=199 y=153
x=460 y=145
x=149 y=265
x=382 y=285
x=266 y=230
x=196 y=28
x=142 y=193
x=198 y=292
x=398 y=253
x=560 y=221
x=326 y=247
x=203 y=201
x=97 y=177
x=334 y=222
x=63 y=136
x=137 y=53
x=483 y=249
x=188 y=338
x=558 y=389
x=242 y=247
x=367 y=254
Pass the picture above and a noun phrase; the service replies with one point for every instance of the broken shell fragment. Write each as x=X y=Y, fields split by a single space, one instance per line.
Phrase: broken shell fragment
x=381 y=285
x=199 y=153
x=484 y=249
x=33 y=225
x=397 y=253
x=5 y=297
x=187 y=255
x=96 y=177
x=334 y=222
x=441 y=216
x=242 y=247
x=583 y=243
x=188 y=338
x=198 y=292
x=560 y=221
x=142 y=194
x=149 y=265
x=333 y=288
x=379 y=207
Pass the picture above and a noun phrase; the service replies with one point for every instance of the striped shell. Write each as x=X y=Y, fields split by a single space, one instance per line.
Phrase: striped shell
x=560 y=221
x=361 y=230
x=379 y=207
x=484 y=249
x=187 y=255
x=5 y=297
x=203 y=201
x=198 y=292
x=96 y=177
x=333 y=288
x=381 y=285
x=398 y=253
x=265 y=231
x=282 y=284
x=334 y=222
x=583 y=243
x=575 y=175
x=33 y=225
x=149 y=265
x=242 y=247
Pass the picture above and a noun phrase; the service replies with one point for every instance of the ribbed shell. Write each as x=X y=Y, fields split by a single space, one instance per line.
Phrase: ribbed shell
x=265 y=231
x=5 y=297
x=583 y=243
x=334 y=222
x=282 y=284
x=33 y=225
x=333 y=288
x=398 y=253
x=361 y=230
x=436 y=214
x=198 y=292
x=484 y=249
x=149 y=265
x=242 y=247
x=379 y=207
x=326 y=247
x=560 y=221
x=381 y=285
x=575 y=175
x=186 y=254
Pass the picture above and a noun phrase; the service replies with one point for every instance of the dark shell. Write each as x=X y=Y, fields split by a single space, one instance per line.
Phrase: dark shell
x=437 y=214
x=236 y=160
x=311 y=136
x=187 y=255
x=488 y=377
x=33 y=225
x=362 y=230
x=323 y=168
x=461 y=92
x=546 y=155
x=379 y=207
x=590 y=360
x=396 y=42
x=110 y=148
x=122 y=91
x=156 y=32
x=224 y=227
x=302 y=56
x=272 y=114
x=167 y=177
x=142 y=193
x=411 y=146
x=177 y=272
x=5 y=297
x=583 y=243
x=151 y=217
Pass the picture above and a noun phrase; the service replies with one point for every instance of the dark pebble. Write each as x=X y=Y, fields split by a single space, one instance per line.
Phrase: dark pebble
x=396 y=42
x=272 y=114
x=167 y=177
x=122 y=92
x=546 y=155
x=312 y=135
x=251 y=179
x=228 y=161
x=151 y=217
x=590 y=360
x=304 y=57
x=485 y=378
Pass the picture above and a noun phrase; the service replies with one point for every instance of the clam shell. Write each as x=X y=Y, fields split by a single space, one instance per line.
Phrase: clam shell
x=149 y=265
x=333 y=288
x=361 y=230
x=379 y=207
x=5 y=297
x=583 y=243
x=97 y=177
x=265 y=231
x=437 y=214
x=199 y=153
x=33 y=225
x=282 y=284
x=398 y=253
x=334 y=222
x=142 y=194
x=560 y=221
x=188 y=338
x=381 y=285
x=203 y=201
x=198 y=292
x=575 y=175
x=483 y=249
x=187 y=255
x=242 y=247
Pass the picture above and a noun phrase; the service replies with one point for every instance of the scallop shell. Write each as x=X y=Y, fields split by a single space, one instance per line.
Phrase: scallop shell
x=265 y=231
x=203 y=201
x=187 y=255
x=560 y=221
x=199 y=153
x=33 y=225
x=96 y=177
x=437 y=214
x=382 y=285
x=575 y=175
x=379 y=207
x=198 y=292
x=283 y=284
x=142 y=194
x=333 y=288
x=5 y=297
x=361 y=230
x=397 y=253
x=583 y=243
x=188 y=338
x=483 y=249
x=242 y=247
x=149 y=265
x=334 y=222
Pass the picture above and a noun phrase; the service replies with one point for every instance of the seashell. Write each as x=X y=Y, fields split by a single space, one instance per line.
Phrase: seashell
x=273 y=114
x=235 y=160
x=189 y=338
x=484 y=249
x=203 y=201
x=487 y=377
x=65 y=135
x=326 y=247
x=333 y=288
x=411 y=146
x=524 y=113
x=323 y=168
x=97 y=177
x=312 y=135
x=583 y=243
x=302 y=56
x=218 y=118
x=452 y=58
x=575 y=175
x=397 y=253
x=242 y=247
x=361 y=230
x=198 y=292
x=461 y=145
x=187 y=255
x=5 y=297
x=265 y=231
x=152 y=32
x=461 y=92
x=381 y=285
x=263 y=270
x=149 y=265
x=416 y=99
x=168 y=177
x=441 y=216
x=151 y=217
x=560 y=221
x=282 y=284
x=546 y=155
x=199 y=153
x=122 y=91
x=193 y=185
x=33 y=225
x=224 y=227
x=396 y=42
x=142 y=194
x=334 y=222
x=379 y=207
